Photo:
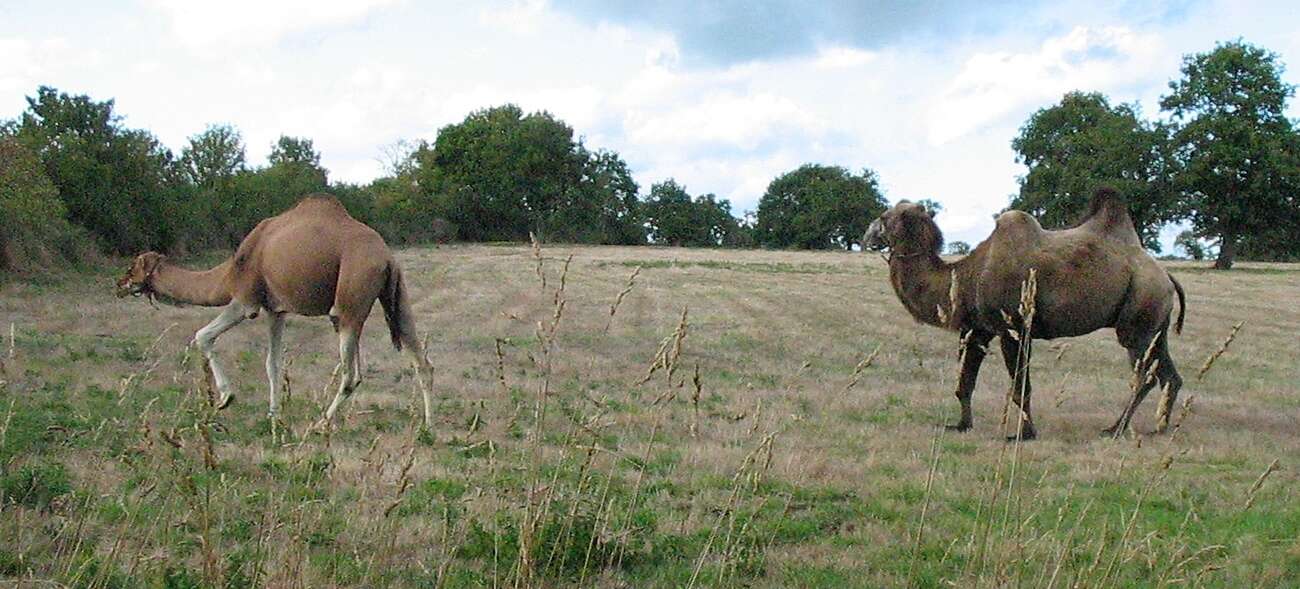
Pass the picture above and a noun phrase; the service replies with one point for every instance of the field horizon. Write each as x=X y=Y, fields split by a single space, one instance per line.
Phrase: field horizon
x=641 y=416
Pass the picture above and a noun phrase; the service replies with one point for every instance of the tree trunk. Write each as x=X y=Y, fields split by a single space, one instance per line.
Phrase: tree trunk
x=1227 y=251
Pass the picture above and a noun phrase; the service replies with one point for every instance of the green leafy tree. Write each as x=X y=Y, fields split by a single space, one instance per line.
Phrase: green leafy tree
x=674 y=218
x=500 y=174
x=1084 y=143
x=118 y=183
x=294 y=172
x=36 y=231
x=1190 y=244
x=931 y=205
x=958 y=248
x=818 y=207
x=602 y=207
x=211 y=162
x=212 y=158
x=1237 y=150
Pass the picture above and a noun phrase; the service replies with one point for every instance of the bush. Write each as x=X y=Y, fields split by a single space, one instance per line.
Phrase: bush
x=36 y=232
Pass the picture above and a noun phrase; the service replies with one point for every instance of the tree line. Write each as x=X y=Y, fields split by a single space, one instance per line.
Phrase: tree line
x=74 y=179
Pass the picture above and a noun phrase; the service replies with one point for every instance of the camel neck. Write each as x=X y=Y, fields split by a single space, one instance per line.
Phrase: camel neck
x=923 y=282
x=206 y=288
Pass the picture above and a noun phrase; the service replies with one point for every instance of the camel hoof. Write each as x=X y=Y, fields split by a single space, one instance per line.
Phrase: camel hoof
x=1024 y=436
x=1112 y=433
x=225 y=402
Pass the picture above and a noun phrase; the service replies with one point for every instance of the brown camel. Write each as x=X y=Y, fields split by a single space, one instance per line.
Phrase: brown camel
x=313 y=259
x=1092 y=276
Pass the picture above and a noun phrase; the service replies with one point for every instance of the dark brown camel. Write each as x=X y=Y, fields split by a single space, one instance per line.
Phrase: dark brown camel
x=1092 y=276
x=313 y=259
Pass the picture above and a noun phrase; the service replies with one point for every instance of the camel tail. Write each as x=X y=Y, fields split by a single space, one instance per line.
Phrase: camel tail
x=1182 y=304
x=397 y=309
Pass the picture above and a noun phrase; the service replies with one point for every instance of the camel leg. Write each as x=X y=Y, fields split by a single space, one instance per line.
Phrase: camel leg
x=973 y=349
x=1018 y=369
x=348 y=343
x=1170 y=382
x=1166 y=375
x=423 y=373
x=206 y=338
x=274 y=353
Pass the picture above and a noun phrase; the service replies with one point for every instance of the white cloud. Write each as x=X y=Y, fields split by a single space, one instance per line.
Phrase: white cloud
x=997 y=83
x=199 y=23
x=834 y=58
x=518 y=16
x=26 y=64
x=733 y=120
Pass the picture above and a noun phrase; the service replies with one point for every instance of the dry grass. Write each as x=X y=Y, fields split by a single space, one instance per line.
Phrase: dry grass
x=802 y=452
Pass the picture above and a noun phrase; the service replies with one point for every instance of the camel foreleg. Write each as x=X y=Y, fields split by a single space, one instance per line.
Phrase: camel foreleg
x=206 y=339
x=974 y=346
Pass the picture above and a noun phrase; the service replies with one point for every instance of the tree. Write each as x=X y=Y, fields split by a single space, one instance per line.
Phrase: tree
x=213 y=157
x=1237 y=151
x=35 y=229
x=1084 y=143
x=499 y=174
x=958 y=248
x=1190 y=244
x=211 y=161
x=120 y=184
x=931 y=205
x=674 y=218
x=602 y=207
x=294 y=172
x=818 y=207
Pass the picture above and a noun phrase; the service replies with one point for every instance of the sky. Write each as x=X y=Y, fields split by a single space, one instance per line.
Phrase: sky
x=720 y=95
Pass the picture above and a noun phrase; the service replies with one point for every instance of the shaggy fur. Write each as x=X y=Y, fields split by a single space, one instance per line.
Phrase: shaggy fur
x=1093 y=276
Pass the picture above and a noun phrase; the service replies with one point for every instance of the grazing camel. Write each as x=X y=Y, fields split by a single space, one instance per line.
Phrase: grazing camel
x=1092 y=276
x=313 y=259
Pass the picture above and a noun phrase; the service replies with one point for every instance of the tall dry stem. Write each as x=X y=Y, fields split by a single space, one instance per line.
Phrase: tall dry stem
x=862 y=367
x=627 y=288
x=1250 y=495
x=1209 y=361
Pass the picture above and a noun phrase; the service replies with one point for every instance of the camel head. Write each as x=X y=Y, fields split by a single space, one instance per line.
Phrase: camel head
x=138 y=279
x=905 y=228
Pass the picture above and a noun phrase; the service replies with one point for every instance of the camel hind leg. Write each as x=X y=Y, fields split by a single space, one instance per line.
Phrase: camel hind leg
x=274 y=354
x=414 y=351
x=1152 y=365
x=349 y=360
x=1015 y=355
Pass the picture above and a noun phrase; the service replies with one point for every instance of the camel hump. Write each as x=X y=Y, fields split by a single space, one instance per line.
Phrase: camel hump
x=320 y=202
x=1017 y=224
x=1108 y=215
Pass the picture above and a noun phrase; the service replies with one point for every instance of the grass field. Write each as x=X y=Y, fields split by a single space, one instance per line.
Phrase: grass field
x=786 y=437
